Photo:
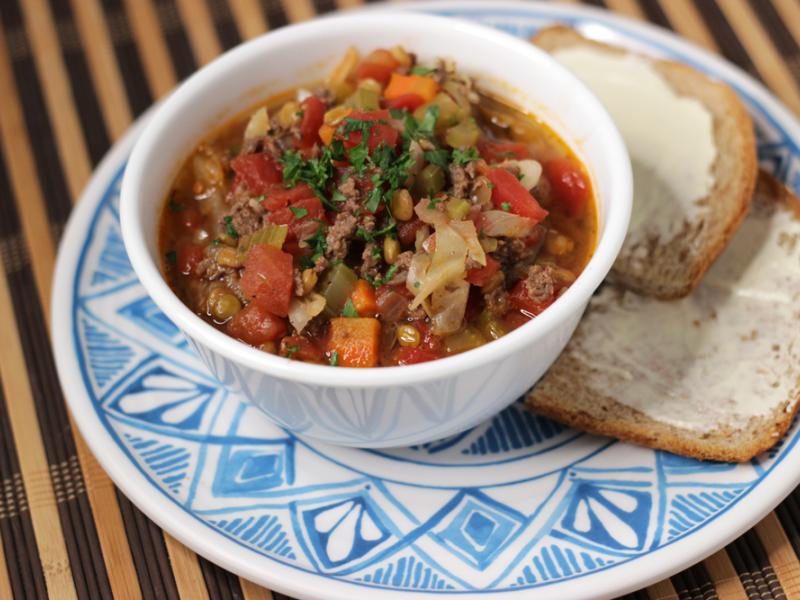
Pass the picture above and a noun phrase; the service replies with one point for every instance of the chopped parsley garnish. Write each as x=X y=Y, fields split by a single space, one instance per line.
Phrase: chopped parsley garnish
x=299 y=114
x=434 y=201
x=438 y=157
x=175 y=206
x=377 y=282
x=420 y=70
x=428 y=122
x=462 y=156
x=298 y=213
x=315 y=172
x=291 y=351
x=398 y=113
x=334 y=359
x=376 y=252
x=506 y=206
x=369 y=236
x=229 y=228
x=172 y=257
x=349 y=310
x=338 y=196
x=374 y=200
x=318 y=244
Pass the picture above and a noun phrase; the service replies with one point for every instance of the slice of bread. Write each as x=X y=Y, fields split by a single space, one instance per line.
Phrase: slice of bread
x=672 y=267
x=713 y=376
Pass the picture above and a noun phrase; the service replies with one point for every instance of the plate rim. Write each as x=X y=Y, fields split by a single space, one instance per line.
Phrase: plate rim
x=181 y=524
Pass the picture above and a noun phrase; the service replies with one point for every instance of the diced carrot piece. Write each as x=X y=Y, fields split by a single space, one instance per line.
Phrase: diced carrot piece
x=326 y=134
x=400 y=85
x=363 y=297
x=355 y=341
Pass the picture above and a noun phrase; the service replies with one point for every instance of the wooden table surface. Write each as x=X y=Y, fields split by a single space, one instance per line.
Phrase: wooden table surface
x=73 y=76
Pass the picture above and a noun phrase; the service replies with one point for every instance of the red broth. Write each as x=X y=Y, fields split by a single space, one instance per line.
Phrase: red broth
x=394 y=215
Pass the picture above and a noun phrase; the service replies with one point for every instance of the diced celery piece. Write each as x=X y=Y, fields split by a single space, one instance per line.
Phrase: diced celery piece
x=430 y=180
x=464 y=134
x=457 y=208
x=336 y=287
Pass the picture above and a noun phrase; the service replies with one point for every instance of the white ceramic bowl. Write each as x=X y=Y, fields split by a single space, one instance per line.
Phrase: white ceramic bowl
x=382 y=406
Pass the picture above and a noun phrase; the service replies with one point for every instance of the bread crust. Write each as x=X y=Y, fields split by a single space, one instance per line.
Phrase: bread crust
x=563 y=395
x=673 y=268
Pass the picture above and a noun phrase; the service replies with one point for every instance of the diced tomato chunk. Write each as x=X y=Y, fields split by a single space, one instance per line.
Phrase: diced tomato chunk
x=297 y=215
x=569 y=184
x=298 y=347
x=189 y=255
x=313 y=112
x=267 y=278
x=255 y=325
x=258 y=171
x=379 y=133
x=279 y=197
x=519 y=299
x=480 y=275
x=413 y=356
x=508 y=193
x=378 y=65
x=409 y=102
x=494 y=152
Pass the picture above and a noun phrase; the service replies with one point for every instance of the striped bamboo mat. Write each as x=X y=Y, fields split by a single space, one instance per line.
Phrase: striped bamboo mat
x=73 y=75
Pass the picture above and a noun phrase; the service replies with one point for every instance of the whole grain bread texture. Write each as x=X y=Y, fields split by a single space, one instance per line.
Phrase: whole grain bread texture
x=673 y=374
x=672 y=268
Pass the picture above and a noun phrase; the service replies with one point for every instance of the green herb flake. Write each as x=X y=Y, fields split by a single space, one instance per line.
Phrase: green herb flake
x=462 y=156
x=338 y=196
x=172 y=257
x=291 y=351
x=439 y=157
x=377 y=282
x=420 y=70
x=175 y=206
x=299 y=114
x=398 y=113
x=229 y=228
x=374 y=200
x=428 y=121
x=349 y=310
x=506 y=206
x=434 y=201
x=334 y=359
x=318 y=244
x=298 y=213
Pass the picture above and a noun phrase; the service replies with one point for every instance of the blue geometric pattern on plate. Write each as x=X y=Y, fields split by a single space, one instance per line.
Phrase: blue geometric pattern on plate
x=552 y=504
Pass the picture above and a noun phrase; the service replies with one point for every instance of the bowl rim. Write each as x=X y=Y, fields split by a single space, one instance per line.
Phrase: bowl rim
x=572 y=301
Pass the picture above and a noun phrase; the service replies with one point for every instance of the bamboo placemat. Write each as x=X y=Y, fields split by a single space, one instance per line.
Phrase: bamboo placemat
x=73 y=75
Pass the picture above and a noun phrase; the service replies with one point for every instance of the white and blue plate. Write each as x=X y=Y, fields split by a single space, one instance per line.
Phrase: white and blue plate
x=518 y=504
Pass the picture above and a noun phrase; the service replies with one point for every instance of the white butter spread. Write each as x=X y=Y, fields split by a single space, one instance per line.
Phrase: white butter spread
x=670 y=139
x=728 y=352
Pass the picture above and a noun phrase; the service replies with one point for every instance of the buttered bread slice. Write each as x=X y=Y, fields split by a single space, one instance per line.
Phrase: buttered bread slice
x=693 y=152
x=715 y=375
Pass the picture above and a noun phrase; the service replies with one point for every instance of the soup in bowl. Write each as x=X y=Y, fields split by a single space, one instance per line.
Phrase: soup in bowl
x=401 y=201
